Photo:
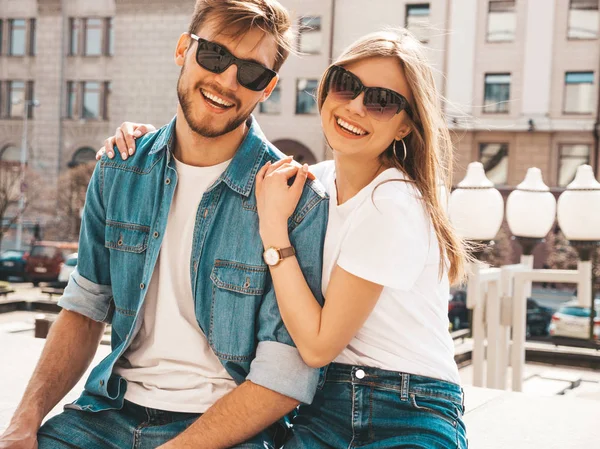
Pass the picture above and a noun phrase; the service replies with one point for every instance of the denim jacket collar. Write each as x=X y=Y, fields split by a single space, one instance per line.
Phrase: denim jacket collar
x=241 y=173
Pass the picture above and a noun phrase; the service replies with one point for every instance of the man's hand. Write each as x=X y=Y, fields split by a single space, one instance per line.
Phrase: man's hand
x=19 y=435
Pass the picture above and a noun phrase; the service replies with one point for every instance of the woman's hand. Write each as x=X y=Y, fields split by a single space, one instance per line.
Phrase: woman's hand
x=276 y=200
x=124 y=139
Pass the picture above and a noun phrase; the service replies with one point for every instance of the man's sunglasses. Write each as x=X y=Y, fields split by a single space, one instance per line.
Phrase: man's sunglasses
x=381 y=104
x=216 y=58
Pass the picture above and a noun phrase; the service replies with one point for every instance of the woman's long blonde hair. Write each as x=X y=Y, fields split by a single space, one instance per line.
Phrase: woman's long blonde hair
x=429 y=146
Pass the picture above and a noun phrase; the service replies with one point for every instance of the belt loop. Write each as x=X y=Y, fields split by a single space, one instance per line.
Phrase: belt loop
x=404 y=386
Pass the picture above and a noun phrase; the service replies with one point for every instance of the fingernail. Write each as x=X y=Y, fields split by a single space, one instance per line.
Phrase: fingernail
x=131 y=152
x=124 y=155
x=305 y=168
x=111 y=155
x=137 y=133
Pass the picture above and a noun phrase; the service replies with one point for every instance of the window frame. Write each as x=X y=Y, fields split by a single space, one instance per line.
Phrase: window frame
x=11 y=28
x=572 y=38
x=502 y=144
x=410 y=6
x=303 y=29
x=507 y=102
x=9 y=99
x=487 y=25
x=561 y=145
x=85 y=28
x=298 y=96
x=565 y=84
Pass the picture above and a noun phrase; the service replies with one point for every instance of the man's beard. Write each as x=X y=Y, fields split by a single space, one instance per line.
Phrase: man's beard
x=206 y=129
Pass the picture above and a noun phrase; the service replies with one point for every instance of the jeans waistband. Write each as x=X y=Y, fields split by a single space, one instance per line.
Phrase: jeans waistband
x=155 y=416
x=405 y=384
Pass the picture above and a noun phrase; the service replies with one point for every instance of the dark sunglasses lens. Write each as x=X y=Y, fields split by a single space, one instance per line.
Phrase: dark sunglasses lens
x=381 y=104
x=343 y=85
x=212 y=57
x=254 y=76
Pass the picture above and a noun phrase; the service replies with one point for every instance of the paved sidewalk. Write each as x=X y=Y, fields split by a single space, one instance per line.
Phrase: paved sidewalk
x=495 y=419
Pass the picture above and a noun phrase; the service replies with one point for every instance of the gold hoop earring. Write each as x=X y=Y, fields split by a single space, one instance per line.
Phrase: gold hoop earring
x=403 y=147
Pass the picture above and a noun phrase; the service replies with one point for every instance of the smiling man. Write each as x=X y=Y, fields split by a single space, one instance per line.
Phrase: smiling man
x=170 y=254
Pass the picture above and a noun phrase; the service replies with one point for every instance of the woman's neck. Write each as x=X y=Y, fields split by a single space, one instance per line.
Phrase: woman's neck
x=353 y=174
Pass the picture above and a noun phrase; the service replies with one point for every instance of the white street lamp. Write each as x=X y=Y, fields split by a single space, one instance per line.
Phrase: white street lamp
x=476 y=207
x=531 y=211
x=579 y=220
x=579 y=207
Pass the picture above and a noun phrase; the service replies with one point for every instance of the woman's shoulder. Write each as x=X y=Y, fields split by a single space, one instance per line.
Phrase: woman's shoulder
x=393 y=187
x=323 y=170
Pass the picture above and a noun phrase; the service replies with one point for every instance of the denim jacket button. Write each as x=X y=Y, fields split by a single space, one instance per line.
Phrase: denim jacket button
x=142 y=285
x=168 y=181
x=156 y=235
x=101 y=383
x=360 y=374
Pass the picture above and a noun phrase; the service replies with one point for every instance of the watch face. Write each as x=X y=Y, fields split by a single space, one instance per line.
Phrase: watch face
x=271 y=256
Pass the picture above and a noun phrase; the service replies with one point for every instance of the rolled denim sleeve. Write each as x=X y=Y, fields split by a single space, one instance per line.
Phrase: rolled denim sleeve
x=278 y=365
x=89 y=291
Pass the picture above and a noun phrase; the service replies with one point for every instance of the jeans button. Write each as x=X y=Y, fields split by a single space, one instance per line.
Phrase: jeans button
x=360 y=374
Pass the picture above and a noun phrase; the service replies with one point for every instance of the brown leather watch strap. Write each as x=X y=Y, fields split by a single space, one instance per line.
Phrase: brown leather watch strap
x=287 y=252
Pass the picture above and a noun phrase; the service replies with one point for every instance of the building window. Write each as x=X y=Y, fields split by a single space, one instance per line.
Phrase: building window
x=91 y=107
x=71 y=99
x=16 y=98
x=310 y=37
x=578 y=93
x=570 y=158
x=93 y=37
x=494 y=157
x=497 y=93
x=83 y=155
x=272 y=105
x=73 y=36
x=417 y=21
x=17 y=35
x=502 y=21
x=10 y=157
x=305 y=96
x=583 y=19
x=1 y=35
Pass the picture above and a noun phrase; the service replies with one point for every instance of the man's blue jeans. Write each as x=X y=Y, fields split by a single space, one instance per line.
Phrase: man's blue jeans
x=133 y=427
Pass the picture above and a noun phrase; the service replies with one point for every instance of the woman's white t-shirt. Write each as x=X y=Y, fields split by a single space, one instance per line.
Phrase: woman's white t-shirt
x=384 y=235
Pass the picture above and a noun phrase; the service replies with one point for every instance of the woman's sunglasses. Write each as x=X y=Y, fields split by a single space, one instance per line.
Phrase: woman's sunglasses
x=216 y=58
x=381 y=104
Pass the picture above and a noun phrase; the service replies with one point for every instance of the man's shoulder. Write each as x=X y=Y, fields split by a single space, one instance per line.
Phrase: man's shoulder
x=314 y=191
x=149 y=149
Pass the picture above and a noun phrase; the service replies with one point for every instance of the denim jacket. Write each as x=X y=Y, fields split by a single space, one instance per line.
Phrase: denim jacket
x=125 y=217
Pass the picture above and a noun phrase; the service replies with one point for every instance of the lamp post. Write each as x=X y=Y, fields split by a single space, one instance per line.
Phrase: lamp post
x=26 y=105
x=579 y=220
x=476 y=209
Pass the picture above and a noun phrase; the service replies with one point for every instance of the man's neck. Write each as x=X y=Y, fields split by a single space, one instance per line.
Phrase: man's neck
x=196 y=150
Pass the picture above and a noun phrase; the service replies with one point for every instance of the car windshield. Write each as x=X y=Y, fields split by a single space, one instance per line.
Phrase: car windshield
x=8 y=254
x=580 y=312
x=43 y=251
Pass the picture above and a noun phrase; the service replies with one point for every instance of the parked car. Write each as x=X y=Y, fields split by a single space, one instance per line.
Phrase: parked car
x=12 y=263
x=67 y=268
x=573 y=321
x=43 y=264
x=538 y=317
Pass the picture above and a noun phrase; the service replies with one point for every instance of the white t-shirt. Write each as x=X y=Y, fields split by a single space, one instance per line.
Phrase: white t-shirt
x=384 y=235
x=170 y=365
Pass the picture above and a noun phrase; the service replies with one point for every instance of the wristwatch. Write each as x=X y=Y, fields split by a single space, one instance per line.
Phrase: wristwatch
x=273 y=256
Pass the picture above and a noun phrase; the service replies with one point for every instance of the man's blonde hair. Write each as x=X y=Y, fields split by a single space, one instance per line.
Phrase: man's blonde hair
x=236 y=17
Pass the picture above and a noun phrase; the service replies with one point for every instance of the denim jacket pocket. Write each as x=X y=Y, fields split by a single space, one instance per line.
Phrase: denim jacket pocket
x=128 y=237
x=237 y=294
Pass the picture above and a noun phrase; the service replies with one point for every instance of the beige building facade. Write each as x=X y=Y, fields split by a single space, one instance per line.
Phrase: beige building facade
x=520 y=77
